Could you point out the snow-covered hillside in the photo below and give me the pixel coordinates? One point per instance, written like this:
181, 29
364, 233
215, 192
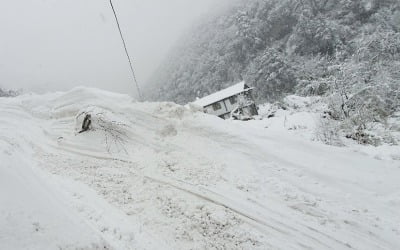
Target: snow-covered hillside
160, 176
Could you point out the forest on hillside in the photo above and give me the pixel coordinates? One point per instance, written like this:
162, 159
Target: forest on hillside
282, 47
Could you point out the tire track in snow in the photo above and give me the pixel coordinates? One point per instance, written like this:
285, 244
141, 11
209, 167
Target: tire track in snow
250, 214
243, 145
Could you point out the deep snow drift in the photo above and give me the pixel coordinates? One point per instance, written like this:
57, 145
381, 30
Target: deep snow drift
160, 176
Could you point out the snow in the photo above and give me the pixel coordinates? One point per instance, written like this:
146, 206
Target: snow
221, 95
175, 178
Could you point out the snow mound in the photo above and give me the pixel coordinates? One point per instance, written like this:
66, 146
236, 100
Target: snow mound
162, 176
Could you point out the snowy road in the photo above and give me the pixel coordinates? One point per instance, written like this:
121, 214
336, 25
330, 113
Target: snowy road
169, 178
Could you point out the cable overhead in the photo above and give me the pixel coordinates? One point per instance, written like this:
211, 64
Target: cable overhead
126, 52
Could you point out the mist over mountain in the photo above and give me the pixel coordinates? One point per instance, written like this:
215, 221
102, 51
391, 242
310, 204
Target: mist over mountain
307, 47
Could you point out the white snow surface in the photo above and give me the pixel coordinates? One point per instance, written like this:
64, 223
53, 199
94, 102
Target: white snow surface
160, 176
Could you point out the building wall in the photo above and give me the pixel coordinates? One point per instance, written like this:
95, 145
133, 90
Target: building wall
229, 105
226, 108
210, 110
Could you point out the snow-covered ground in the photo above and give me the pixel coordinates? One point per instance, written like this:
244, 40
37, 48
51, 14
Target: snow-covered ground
160, 176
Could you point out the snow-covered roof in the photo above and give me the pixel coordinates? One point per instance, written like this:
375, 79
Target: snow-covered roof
222, 94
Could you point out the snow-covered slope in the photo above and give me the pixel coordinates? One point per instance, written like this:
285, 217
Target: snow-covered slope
159, 176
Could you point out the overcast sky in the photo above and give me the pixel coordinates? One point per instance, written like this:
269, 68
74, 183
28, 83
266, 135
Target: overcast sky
59, 44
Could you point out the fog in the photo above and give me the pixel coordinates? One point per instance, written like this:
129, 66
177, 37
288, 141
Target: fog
49, 45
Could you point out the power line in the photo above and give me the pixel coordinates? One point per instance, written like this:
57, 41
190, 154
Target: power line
126, 52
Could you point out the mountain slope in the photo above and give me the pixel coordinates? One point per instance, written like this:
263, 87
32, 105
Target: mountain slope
160, 176
285, 46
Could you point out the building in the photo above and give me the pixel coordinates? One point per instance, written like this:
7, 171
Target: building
236, 99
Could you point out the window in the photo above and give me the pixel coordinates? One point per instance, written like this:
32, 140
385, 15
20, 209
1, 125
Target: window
233, 99
216, 106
